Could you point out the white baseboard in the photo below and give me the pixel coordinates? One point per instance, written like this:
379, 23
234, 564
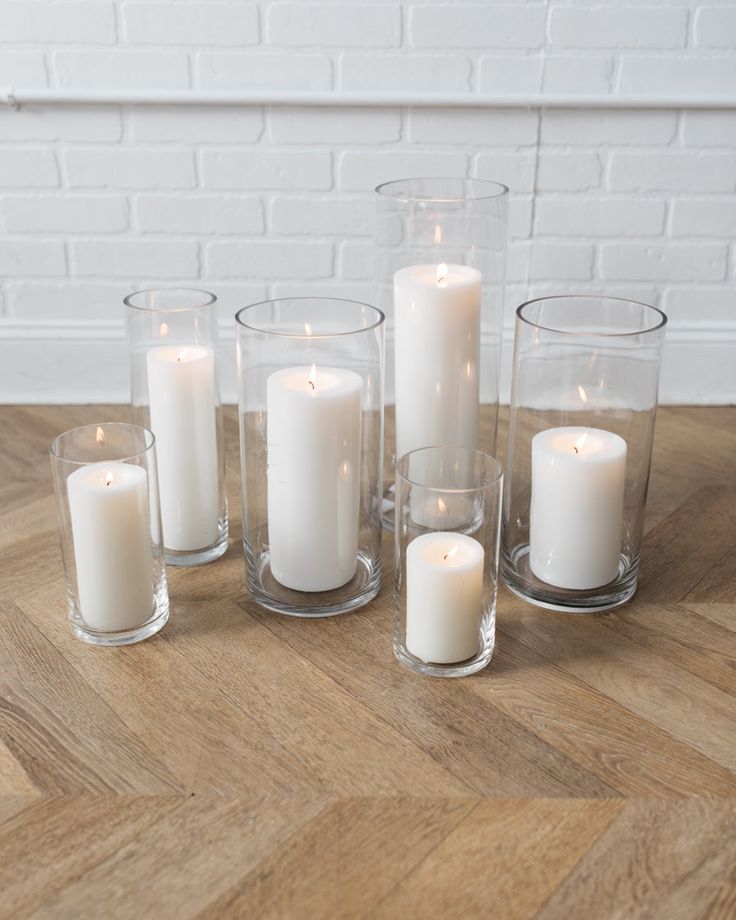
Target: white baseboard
87, 363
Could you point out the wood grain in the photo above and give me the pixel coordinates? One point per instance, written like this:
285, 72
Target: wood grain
242, 764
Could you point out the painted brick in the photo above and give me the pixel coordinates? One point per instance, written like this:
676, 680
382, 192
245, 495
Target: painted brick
42, 21
715, 26
577, 74
267, 169
360, 171
520, 217
671, 76
206, 125
269, 71
232, 296
193, 24
513, 169
334, 126
705, 217
97, 167
593, 128
309, 216
618, 26
362, 291
663, 262
697, 303
576, 171
22, 68
198, 214
594, 217
405, 73
130, 258
710, 129
499, 73
669, 171
452, 25
478, 127
78, 300
563, 261
60, 123
269, 259
69, 214
24, 168
356, 260
32, 257
149, 70
346, 25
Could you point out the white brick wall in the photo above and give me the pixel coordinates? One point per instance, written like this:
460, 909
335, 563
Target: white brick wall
276, 201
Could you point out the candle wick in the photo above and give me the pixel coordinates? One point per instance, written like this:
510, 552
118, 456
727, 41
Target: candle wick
575, 449
311, 383
446, 555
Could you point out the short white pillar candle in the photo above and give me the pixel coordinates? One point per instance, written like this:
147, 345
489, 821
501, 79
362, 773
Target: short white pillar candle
314, 445
444, 597
576, 515
111, 531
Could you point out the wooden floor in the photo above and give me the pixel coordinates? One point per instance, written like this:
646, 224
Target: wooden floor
242, 764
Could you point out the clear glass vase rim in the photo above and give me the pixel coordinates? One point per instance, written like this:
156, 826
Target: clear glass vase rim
150, 440
380, 318
660, 324
500, 189
210, 299
467, 451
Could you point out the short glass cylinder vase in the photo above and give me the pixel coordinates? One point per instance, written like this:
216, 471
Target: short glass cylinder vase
583, 405
173, 347
440, 263
310, 376
446, 538
110, 528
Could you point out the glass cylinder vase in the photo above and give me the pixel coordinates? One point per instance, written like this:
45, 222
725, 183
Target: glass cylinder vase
441, 257
110, 527
311, 437
446, 536
173, 346
583, 405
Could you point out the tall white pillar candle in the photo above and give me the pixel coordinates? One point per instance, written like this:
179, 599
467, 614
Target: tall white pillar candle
314, 443
182, 391
576, 516
444, 597
437, 356
111, 531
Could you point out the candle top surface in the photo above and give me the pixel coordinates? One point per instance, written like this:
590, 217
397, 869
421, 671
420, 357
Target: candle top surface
447, 550
439, 275
316, 382
180, 354
588, 445
106, 477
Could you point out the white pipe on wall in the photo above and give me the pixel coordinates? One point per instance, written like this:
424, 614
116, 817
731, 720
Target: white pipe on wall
15, 98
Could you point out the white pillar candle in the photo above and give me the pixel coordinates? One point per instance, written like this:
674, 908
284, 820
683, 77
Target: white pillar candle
437, 356
314, 443
182, 397
576, 517
444, 597
111, 531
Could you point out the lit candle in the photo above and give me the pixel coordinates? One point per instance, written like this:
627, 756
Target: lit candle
182, 396
108, 505
437, 330
314, 443
444, 597
576, 517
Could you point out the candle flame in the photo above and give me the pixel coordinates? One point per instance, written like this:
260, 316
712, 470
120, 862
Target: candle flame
307, 328
450, 553
182, 355
441, 506
442, 273
583, 394
108, 479
312, 379
164, 330
437, 234
100, 436
580, 443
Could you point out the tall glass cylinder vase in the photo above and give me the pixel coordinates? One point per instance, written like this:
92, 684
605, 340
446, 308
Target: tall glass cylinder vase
311, 438
583, 405
441, 257
173, 346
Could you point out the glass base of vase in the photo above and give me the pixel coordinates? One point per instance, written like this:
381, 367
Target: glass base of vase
124, 636
199, 556
271, 595
454, 669
520, 580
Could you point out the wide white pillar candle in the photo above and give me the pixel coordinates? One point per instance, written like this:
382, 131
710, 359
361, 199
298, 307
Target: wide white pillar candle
444, 597
437, 356
111, 531
314, 444
182, 391
576, 517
